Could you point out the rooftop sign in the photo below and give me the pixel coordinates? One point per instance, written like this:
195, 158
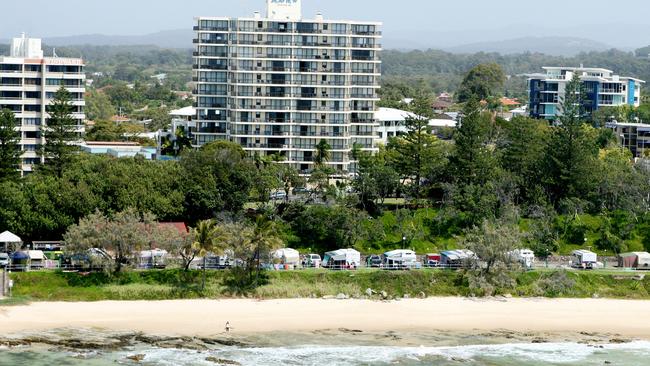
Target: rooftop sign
284, 9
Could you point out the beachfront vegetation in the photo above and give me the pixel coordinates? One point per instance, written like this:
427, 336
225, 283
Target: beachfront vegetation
179, 284
564, 187
495, 186
9, 145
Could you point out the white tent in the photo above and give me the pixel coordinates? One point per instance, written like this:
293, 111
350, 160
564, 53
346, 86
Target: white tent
8, 238
287, 256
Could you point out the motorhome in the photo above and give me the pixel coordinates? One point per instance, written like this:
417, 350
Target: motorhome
36, 259
525, 257
583, 259
455, 258
286, 258
311, 261
399, 259
153, 259
342, 259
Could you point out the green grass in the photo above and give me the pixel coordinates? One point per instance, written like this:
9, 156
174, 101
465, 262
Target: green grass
176, 284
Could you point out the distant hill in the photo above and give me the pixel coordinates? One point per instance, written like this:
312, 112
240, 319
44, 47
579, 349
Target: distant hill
556, 46
178, 38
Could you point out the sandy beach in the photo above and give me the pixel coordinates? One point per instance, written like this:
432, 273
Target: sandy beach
207, 318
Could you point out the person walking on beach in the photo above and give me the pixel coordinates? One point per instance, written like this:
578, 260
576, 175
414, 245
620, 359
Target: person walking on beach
228, 327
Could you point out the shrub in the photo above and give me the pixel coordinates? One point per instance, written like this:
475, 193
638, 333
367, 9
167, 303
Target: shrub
555, 284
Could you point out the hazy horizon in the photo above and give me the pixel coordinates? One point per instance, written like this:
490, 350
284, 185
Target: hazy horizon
451, 23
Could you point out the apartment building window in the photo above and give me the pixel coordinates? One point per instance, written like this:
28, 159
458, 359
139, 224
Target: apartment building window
246, 25
213, 76
31, 147
363, 29
32, 81
31, 121
10, 68
33, 68
211, 102
211, 89
10, 81
213, 25
339, 28
32, 135
31, 161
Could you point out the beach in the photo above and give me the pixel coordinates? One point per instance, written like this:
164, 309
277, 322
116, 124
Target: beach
208, 317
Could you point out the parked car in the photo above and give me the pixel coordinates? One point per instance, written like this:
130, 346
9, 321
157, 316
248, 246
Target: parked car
4, 260
373, 261
277, 196
301, 190
311, 261
431, 260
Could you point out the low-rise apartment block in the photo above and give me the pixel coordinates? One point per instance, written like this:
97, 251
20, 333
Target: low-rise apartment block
603, 88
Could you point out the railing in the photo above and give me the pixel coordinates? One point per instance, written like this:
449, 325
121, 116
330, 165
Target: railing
306, 31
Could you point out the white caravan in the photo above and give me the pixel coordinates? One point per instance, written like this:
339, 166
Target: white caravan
524, 256
583, 259
342, 259
399, 259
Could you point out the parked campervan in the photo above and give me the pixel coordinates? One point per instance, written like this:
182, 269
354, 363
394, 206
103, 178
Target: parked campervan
399, 259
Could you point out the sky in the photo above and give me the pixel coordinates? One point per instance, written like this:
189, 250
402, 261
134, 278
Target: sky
401, 18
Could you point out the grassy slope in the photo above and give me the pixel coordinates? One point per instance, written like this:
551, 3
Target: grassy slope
174, 284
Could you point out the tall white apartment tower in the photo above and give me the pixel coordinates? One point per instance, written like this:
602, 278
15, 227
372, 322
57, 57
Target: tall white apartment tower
280, 84
28, 81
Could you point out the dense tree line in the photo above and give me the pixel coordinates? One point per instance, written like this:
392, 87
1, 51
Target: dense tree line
436, 71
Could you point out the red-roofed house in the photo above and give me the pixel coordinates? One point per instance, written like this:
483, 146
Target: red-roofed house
180, 226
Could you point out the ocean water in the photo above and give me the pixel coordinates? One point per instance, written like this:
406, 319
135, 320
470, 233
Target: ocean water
632, 354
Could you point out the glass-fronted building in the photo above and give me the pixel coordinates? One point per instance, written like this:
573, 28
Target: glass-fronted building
602, 87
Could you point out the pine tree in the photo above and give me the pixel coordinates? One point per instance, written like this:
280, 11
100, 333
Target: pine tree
9, 148
418, 150
573, 149
59, 132
472, 161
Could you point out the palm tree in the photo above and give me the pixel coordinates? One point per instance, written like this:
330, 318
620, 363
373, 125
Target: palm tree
264, 238
207, 235
322, 153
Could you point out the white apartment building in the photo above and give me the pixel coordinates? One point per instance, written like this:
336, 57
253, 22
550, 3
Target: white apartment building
602, 86
280, 84
28, 81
